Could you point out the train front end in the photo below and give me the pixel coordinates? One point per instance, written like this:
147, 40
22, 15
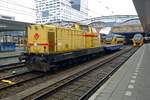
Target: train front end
38, 47
138, 40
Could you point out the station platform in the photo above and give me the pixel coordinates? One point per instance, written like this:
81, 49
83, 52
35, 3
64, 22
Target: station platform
131, 81
10, 57
12, 53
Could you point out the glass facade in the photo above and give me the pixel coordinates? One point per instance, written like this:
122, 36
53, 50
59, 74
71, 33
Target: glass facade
76, 4
50, 11
45, 13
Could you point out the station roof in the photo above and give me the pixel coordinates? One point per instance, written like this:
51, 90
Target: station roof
9, 25
142, 8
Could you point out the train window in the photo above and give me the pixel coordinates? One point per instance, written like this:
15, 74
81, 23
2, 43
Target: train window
138, 36
108, 37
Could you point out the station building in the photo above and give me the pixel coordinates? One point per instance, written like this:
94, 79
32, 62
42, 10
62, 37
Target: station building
50, 11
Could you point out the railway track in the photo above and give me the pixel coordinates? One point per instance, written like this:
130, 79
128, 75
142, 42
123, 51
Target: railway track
77, 85
12, 70
81, 85
11, 66
25, 81
18, 79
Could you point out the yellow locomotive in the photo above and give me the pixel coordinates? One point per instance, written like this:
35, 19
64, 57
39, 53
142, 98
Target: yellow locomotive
138, 40
113, 42
49, 45
49, 39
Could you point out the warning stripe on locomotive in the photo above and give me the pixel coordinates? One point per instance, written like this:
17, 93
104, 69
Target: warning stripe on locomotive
89, 35
41, 44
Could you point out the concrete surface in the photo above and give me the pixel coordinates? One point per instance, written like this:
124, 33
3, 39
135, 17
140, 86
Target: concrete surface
131, 81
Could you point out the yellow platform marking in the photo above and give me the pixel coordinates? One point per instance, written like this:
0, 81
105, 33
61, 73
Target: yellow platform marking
8, 81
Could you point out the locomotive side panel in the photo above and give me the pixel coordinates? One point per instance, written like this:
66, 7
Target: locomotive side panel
68, 40
49, 39
38, 40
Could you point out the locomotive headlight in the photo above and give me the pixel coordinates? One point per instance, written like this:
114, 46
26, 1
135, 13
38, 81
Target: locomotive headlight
35, 44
